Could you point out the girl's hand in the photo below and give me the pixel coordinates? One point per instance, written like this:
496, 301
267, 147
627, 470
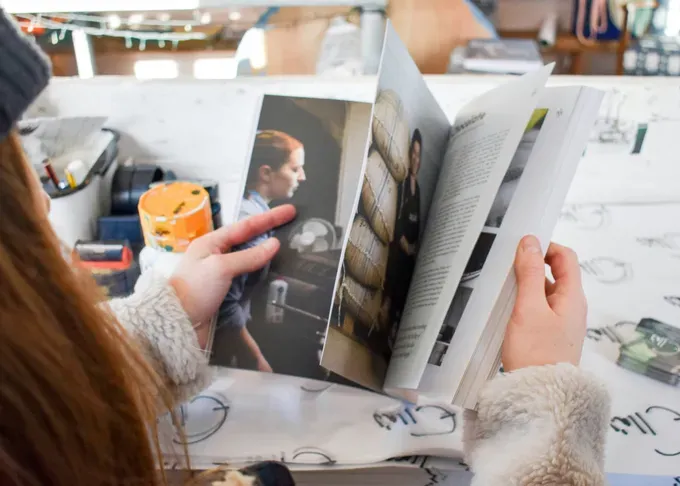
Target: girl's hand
204, 274
548, 323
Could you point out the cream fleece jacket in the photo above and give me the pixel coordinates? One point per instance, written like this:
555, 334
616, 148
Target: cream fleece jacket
533, 427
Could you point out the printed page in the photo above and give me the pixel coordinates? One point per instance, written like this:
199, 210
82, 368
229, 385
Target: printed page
408, 139
482, 141
308, 152
528, 201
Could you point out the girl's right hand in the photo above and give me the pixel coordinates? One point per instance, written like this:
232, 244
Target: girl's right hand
548, 322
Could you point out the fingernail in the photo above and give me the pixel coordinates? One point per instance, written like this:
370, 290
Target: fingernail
271, 243
530, 244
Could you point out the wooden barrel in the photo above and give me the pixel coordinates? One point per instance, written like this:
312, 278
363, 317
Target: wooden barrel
361, 302
366, 255
390, 133
379, 197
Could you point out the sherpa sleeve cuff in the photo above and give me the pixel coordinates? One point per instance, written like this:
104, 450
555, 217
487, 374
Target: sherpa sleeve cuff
154, 317
537, 426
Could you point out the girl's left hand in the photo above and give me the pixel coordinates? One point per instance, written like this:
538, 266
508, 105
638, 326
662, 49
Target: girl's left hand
204, 274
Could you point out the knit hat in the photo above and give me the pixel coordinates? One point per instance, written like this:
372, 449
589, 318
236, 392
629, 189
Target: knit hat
24, 73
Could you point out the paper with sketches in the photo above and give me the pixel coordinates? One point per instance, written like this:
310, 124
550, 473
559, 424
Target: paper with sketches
628, 158
630, 261
248, 416
55, 137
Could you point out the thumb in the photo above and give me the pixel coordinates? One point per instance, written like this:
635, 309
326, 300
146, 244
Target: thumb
251, 259
530, 272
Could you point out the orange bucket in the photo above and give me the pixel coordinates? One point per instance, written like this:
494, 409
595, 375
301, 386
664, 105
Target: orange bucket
173, 214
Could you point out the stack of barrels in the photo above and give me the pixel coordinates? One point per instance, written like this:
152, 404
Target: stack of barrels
360, 292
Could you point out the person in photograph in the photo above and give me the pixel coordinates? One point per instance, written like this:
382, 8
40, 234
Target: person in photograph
276, 171
402, 258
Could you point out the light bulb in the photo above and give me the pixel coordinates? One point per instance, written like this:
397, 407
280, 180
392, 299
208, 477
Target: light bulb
187, 28
235, 16
164, 17
206, 18
114, 21
136, 19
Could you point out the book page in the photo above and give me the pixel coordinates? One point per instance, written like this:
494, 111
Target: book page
528, 201
565, 143
476, 272
308, 152
482, 140
408, 139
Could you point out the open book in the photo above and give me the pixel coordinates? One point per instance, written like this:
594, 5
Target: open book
397, 274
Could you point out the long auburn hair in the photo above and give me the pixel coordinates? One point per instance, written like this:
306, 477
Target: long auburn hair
78, 402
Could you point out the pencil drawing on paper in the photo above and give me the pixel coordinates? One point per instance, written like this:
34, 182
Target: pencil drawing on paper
310, 455
656, 421
669, 241
608, 270
202, 417
612, 128
613, 334
420, 421
672, 300
586, 216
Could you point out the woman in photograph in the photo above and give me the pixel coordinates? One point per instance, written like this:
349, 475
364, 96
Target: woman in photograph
276, 171
402, 258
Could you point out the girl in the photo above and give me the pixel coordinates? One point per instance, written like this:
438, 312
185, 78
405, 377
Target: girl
82, 383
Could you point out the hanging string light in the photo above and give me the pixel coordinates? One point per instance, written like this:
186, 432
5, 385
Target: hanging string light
29, 21
162, 20
161, 28
114, 21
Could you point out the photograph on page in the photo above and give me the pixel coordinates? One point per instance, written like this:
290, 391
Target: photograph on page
482, 248
408, 138
307, 152
482, 141
517, 166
